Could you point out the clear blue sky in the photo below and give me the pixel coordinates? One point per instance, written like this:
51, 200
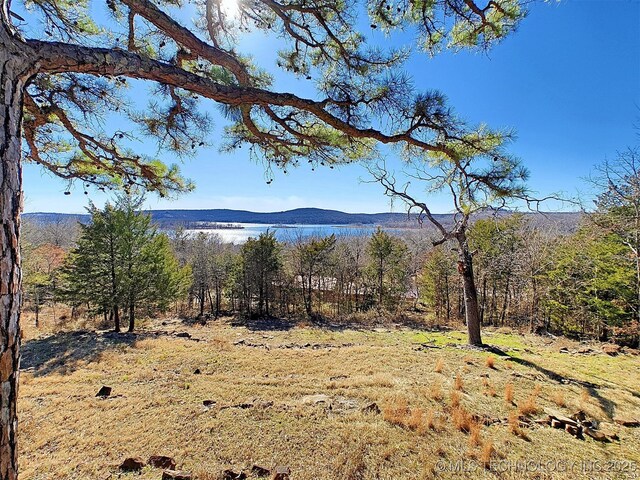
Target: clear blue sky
568, 81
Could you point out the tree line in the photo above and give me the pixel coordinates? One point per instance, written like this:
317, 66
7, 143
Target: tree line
583, 283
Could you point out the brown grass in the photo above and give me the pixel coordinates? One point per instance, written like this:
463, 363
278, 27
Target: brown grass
435, 391
585, 395
461, 419
508, 392
455, 399
487, 453
529, 406
439, 367
475, 437
490, 362
559, 399
396, 411
458, 383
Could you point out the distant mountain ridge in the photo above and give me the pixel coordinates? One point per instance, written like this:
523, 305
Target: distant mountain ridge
298, 216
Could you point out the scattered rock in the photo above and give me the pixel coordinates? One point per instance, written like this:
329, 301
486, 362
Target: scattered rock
160, 461
487, 419
259, 471
627, 422
343, 405
197, 371
208, 403
104, 392
576, 431
563, 350
176, 475
132, 464
316, 399
555, 423
371, 408
611, 349
282, 473
337, 377
598, 436
231, 475
183, 335
585, 350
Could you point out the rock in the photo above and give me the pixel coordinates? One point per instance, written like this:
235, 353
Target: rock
316, 399
573, 430
584, 350
371, 408
104, 392
176, 475
579, 416
555, 423
561, 418
627, 422
259, 471
337, 377
544, 420
183, 335
160, 461
611, 349
231, 475
281, 473
132, 464
563, 350
197, 371
598, 436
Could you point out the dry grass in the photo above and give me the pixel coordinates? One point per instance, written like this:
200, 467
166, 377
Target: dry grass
439, 367
458, 383
454, 399
475, 437
156, 408
435, 391
461, 419
490, 362
487, 453
508, 393
559, 399
529, 406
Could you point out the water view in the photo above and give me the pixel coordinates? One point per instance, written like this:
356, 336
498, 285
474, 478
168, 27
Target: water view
241, 232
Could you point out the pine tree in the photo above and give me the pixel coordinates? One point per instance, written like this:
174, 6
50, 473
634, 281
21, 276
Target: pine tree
120, 263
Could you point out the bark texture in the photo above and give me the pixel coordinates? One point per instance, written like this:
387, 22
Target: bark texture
15, 70
472, 314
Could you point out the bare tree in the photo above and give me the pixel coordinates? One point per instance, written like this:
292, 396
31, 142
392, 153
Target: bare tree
474, 184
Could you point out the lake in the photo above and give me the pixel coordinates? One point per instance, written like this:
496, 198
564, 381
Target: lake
289, 232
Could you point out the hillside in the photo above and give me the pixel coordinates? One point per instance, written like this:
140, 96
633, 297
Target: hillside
346, 402
299, 216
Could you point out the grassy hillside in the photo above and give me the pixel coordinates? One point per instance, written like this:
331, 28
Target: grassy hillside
297, 396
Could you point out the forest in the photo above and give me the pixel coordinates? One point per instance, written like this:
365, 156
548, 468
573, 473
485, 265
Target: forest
529, 275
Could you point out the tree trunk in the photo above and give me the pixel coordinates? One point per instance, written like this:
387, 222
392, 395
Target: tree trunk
14, 75
132, 316
116, 318
465, 268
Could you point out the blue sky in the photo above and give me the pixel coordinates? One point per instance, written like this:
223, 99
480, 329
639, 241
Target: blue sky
568, 82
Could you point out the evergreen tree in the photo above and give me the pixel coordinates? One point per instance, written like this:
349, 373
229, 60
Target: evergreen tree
259, 264
122, 262
388, 267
